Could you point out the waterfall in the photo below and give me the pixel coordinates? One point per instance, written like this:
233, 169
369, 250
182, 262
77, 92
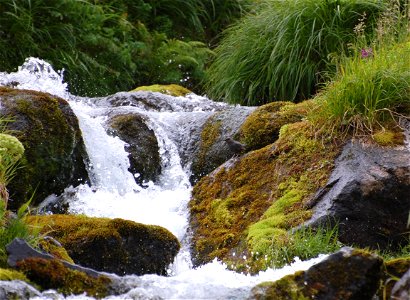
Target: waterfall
113, 192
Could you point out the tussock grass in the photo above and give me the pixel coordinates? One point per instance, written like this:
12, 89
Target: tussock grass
282, 51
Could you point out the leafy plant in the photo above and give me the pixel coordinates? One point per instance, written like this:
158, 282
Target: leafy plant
283, 50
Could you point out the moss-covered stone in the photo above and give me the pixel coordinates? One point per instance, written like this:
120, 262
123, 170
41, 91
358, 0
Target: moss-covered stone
55, 152
350, 274
52, 274
262, 126
51, 246
171, 89
249, 205
112, 245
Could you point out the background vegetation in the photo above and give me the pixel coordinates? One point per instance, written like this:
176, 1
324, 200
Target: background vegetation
107, 46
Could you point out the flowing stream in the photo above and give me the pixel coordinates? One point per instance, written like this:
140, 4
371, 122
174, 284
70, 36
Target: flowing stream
113, 192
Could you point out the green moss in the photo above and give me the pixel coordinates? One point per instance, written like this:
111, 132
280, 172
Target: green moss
262, 126
388, 137
55, 250
286, 288
394, 269
52, 274
171, 89
9, 274
261, 196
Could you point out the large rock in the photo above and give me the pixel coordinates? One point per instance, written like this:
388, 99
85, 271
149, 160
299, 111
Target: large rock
113, 245
142, 145
212, 150
368, 196
349, 274
54, 149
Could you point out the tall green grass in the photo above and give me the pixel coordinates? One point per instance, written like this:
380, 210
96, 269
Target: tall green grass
372, 88
283, 50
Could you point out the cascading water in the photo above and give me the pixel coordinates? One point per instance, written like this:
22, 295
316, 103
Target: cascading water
113, 192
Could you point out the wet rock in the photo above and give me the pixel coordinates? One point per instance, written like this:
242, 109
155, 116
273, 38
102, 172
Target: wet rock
212, 149
17, 289
142, 145
401, 290
113, 245
348, 274
54, 149
368, 195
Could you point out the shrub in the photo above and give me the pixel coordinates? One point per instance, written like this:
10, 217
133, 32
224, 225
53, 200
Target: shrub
282, 51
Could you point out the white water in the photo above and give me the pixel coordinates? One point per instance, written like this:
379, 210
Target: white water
114, 193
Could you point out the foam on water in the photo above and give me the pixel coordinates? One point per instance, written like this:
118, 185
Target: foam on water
113, 193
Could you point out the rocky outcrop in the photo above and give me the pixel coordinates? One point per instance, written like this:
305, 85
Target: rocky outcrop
54, 150
113, 245
249, 203
212, 150
142, 145
349, 274
368, 196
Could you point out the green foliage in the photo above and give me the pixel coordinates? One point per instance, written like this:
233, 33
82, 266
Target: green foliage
282, 51
368, 92
107, 46
15, 226
305, 243
11, 150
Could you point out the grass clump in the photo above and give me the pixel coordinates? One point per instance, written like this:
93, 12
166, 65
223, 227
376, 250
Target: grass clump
281, 51
368, 93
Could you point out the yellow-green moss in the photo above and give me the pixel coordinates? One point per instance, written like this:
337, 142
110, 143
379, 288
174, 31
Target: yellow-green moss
388, 137
55, 250
261, 196
171, 89
394, 269
9, 274
52, 274
262, 126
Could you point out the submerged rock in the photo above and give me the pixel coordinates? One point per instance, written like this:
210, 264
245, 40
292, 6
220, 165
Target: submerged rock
142, 145
17, 289
348, 274
113, 245
368, 196
54, 149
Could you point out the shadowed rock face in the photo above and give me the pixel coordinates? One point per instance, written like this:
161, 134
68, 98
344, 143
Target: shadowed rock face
54, 156
235, 146
368, 195
142, 145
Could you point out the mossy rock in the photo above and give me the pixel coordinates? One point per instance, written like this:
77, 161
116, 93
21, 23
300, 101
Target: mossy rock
387, 137
142, 145
112, 245
171, 89
53, 247
52, 274
349, 274
54, 149
248, 204
213, 150
262, 126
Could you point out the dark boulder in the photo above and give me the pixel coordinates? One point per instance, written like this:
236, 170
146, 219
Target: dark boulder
113, 245
142, 145
368, 195
54, 149
348, 274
